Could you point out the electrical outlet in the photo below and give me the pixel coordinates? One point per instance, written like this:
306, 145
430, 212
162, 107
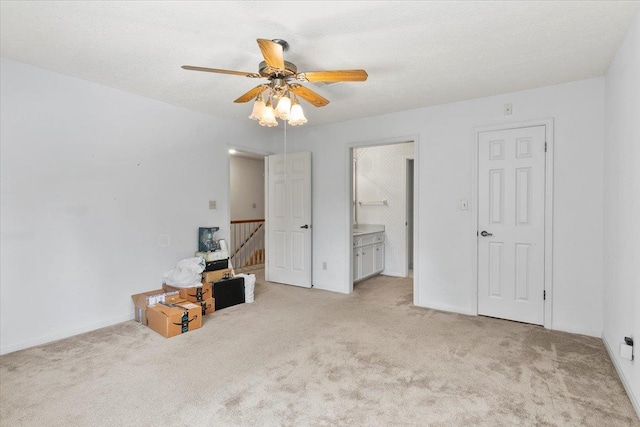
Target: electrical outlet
626, 348
324, 265
626, 351
508, 109
213, 204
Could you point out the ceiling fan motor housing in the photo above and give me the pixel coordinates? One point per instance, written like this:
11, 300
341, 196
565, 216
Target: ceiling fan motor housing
290, 69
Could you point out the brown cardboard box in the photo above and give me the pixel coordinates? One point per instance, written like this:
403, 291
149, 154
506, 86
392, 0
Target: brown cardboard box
171, 321
215, 276
195, 294
208, 306
145, 299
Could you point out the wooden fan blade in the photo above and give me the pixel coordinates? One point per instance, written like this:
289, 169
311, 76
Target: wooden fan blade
251, 94
308, 95
334, 76
272, 52
216, 70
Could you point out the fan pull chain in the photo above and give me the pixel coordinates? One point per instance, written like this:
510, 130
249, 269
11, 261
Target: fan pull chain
286, 169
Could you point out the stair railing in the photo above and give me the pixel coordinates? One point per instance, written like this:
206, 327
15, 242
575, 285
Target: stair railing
246, 246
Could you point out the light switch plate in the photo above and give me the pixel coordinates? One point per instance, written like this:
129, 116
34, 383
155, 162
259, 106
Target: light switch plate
464, 205
212, 204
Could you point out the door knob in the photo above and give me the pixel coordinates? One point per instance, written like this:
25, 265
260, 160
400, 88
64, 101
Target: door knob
485, 234
305, 226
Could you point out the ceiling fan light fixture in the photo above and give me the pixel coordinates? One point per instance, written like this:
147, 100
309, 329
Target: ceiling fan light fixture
283, 110
297, 115
268, 118
258, 108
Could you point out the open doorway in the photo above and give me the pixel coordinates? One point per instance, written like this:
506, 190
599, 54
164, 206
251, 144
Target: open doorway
246, 210
382, 199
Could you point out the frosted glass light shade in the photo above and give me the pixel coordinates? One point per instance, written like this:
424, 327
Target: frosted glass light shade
284, 108
297, 115
268, 118
258, 109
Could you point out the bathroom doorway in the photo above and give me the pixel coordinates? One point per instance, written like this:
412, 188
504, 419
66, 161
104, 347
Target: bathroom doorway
382, 199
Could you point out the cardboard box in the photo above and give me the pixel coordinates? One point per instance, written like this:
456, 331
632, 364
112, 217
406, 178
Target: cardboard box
145, 299
175, 320
195, 294
208, 306
214, 276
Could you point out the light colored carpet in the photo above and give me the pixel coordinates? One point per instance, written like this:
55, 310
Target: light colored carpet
300, 357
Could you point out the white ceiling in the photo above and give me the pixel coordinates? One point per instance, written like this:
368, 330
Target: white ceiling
416, 53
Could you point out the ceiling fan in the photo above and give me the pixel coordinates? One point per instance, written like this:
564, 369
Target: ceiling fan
284, 78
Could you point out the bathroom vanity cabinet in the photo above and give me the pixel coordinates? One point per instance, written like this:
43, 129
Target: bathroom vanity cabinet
368, 255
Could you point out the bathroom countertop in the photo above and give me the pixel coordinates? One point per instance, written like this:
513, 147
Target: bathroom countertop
361, 229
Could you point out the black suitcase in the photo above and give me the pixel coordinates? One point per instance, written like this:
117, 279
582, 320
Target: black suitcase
220, 264
228, 292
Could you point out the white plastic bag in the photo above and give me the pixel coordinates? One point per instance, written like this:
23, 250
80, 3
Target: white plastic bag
186, 274
249, 286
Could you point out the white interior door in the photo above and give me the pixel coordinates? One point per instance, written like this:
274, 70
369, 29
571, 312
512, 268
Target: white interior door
511, 195
289, 219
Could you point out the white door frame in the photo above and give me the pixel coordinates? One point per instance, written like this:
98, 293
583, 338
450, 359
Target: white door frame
349, 198
548, 208
409, 247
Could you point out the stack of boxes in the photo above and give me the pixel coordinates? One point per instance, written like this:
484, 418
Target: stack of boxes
216, 268
227, 289
172, 311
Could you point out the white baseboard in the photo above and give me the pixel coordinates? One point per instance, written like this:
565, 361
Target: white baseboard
449, 308
392, 273
321, 287
64, 334
623, 379
579, 331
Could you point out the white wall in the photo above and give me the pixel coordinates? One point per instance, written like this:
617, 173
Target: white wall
247, 188
381, 175
91, 176
445, 239
622, 208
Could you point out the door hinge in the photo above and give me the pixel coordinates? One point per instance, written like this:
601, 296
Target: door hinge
544, 295
545, 146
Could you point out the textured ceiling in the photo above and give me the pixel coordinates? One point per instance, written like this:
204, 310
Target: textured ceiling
416, 53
